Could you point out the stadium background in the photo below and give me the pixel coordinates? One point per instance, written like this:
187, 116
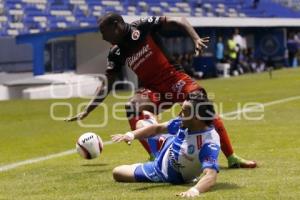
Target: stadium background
52, 37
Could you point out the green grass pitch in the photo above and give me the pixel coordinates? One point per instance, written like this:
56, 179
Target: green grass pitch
27, 132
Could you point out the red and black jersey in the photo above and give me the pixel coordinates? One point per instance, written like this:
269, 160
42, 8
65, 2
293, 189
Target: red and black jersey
144, 54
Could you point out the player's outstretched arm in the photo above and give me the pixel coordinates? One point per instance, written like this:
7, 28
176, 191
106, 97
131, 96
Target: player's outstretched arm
101, 93
145, 132
204, 184
200, 43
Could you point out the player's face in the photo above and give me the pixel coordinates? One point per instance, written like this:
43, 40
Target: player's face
186, 114
112, 33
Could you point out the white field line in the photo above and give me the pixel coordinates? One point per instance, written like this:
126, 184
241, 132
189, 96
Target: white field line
40, 159
72, 151
259, 105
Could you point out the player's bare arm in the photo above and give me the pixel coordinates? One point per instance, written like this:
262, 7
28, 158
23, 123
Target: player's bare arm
148, 131
200, 43
204, 184
101, 93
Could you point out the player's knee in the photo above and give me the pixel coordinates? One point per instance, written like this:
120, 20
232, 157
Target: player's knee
117, 173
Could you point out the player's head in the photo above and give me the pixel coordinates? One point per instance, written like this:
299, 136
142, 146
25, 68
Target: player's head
112, 27
197, 108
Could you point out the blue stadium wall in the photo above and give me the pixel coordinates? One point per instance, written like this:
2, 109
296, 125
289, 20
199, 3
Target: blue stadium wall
267, 43
30, 53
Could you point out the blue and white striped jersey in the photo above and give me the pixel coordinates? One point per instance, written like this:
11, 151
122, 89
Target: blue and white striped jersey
186, 154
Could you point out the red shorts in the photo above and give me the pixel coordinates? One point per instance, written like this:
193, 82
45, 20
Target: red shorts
174, 89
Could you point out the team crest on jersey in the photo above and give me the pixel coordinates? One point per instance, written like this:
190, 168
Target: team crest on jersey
135, 35
191, 149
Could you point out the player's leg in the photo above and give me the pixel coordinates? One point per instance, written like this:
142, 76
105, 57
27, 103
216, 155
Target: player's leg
125, 173
234, 161
136, 173
140, 112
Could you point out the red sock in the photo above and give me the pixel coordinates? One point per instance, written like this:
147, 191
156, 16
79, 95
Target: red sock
224, 138
132, 123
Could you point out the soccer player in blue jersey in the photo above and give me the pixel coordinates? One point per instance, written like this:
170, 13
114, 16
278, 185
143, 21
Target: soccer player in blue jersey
191, 148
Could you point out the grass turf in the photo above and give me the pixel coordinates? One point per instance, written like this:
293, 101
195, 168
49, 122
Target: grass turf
27, 131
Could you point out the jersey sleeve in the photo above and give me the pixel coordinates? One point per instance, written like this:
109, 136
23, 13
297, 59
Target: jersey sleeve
208, 156
174, 125
150, 23
114, 65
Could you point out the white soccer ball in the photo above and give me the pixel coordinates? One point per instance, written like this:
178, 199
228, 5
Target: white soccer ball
89, 145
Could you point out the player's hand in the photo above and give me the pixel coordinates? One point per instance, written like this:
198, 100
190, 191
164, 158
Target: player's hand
79, 116
200, 44
128, 137
191, 193
118, 138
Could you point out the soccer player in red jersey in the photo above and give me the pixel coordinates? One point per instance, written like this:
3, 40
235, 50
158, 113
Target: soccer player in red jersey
138, 46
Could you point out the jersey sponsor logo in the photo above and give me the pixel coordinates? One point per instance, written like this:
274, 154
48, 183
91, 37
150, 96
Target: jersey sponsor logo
132, 60
135, 35
173, 161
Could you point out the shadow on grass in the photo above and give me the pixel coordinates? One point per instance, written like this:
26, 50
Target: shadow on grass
90, 171
98, 171
225, 168
218, 186
152, 186
225, 186
95, 165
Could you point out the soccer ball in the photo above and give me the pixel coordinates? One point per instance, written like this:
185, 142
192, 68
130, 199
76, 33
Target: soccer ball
89, 145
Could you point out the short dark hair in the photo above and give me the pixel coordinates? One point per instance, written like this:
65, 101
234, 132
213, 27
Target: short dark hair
110, 18
203, 108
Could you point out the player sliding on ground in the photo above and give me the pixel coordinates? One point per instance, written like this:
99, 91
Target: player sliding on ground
192, 146
138, 46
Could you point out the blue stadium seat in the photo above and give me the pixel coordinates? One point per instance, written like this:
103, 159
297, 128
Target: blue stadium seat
85, 12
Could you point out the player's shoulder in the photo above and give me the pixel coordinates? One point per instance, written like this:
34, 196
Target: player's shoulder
211, 136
